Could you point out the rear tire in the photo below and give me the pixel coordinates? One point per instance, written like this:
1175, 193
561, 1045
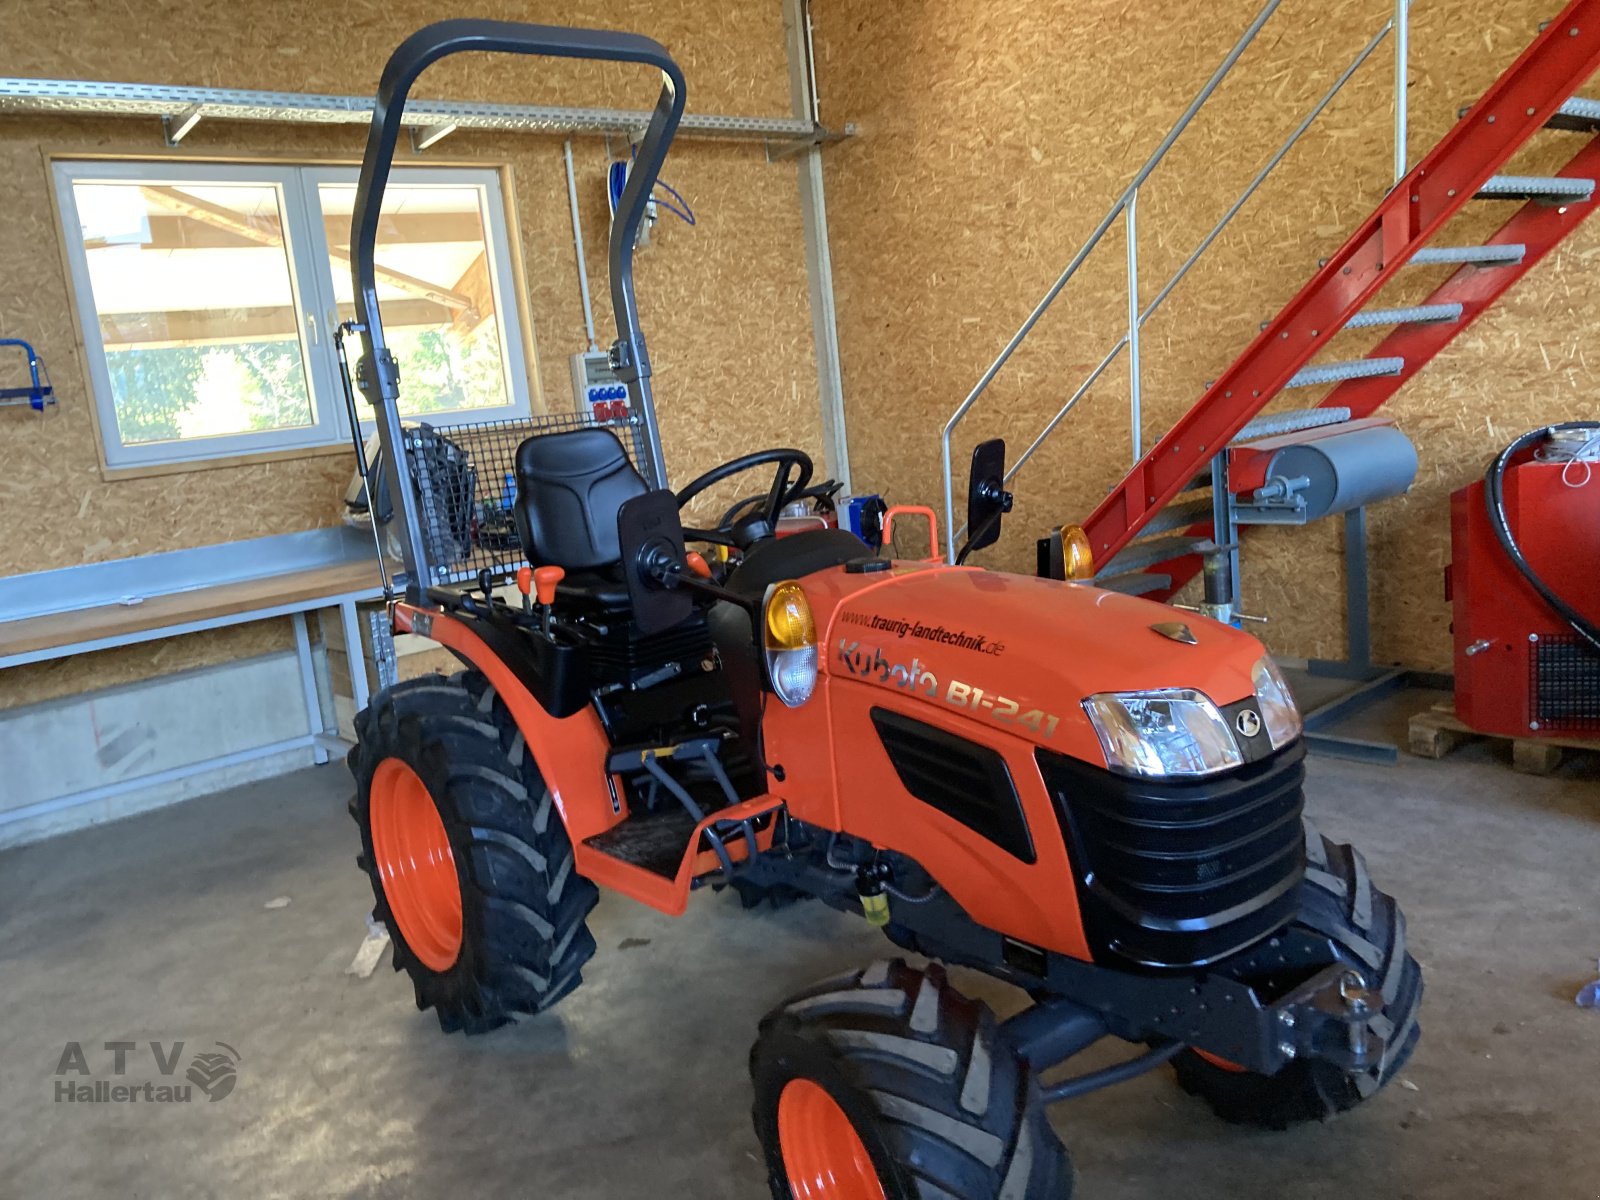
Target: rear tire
941, 1106
1337, 901
495, 927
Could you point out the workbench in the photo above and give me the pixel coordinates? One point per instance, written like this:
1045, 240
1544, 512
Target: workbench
292, 593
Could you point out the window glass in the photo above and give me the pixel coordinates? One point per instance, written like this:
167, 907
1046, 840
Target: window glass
208, 296
195, 303
436, 287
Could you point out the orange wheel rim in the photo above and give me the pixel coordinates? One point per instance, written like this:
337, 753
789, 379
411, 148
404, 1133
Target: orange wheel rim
414, 860
822, 1152
1221, 1062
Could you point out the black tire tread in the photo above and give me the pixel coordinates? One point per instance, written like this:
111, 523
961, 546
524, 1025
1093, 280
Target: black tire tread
957, 1111
524, 907
1338, 901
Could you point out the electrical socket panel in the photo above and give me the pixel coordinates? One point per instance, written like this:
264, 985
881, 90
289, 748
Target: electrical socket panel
596, 389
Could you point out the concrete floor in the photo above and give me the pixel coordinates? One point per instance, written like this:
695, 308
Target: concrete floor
156, 928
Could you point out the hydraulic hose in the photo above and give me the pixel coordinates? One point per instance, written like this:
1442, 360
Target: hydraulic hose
1494, 498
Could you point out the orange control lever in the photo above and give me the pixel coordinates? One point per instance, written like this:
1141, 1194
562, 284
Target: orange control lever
525, 580
545, 580
697, 564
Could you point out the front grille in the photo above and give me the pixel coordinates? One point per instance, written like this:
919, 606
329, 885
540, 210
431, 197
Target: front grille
1176, 873
1565, 687
967, 782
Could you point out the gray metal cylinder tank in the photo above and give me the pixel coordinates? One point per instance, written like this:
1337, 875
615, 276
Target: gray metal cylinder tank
1341, 472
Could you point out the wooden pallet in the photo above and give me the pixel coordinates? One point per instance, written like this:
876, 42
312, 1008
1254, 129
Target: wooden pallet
1436, 732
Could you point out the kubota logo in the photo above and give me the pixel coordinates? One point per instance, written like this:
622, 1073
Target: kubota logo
869, 661
1248, 723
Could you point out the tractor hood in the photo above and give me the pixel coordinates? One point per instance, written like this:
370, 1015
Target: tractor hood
1024, 650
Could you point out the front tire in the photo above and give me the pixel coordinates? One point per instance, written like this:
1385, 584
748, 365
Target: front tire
1338, 902
889, 1084
470, 865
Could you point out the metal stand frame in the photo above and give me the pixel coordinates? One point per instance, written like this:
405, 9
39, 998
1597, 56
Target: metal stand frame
1373, 682
322, 740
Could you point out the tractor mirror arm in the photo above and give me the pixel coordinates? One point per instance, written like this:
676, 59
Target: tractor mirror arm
980, 537
987, 499
379, 376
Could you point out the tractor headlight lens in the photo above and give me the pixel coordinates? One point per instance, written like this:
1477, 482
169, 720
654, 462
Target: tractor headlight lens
790, 639
1175, 731
1278, 711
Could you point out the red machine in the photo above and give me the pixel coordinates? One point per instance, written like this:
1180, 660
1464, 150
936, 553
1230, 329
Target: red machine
1521, 667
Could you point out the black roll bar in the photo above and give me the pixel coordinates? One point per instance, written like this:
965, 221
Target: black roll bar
377, 374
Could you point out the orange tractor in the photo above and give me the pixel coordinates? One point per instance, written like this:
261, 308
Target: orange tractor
1066, 788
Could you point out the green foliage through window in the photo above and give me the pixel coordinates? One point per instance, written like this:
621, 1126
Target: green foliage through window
166, 393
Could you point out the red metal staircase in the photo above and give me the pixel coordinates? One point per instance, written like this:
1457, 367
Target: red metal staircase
1536, 92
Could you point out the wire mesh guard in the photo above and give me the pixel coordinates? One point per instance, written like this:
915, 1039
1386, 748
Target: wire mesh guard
465, 479
1565, 685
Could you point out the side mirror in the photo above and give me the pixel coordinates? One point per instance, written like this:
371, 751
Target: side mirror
987, 499
650, 535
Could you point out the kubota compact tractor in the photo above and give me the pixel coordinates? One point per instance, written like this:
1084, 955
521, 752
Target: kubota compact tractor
1069, 789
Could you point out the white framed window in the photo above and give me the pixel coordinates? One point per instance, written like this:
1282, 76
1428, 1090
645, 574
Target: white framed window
208, 296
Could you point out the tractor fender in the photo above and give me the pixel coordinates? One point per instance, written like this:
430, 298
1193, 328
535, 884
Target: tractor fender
570, 749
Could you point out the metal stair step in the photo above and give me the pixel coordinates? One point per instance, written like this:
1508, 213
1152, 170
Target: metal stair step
1337, 372
1535, 187
1484, 256
1135, 583
1579, 115
1418, 314
1179, 516
1139, 555
1290, 421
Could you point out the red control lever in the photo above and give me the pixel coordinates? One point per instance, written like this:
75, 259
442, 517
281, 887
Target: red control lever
697, 564
544, 582
525, 580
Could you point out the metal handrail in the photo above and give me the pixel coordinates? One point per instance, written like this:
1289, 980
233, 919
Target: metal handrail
1401, 24
1126, 204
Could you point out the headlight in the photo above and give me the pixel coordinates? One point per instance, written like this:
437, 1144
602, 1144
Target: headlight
1278, 711
790, 639
1176, 731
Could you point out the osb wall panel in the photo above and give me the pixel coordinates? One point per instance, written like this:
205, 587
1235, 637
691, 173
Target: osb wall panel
724, 304
996, 133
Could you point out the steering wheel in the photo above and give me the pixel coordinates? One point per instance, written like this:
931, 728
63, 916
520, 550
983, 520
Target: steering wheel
760, 520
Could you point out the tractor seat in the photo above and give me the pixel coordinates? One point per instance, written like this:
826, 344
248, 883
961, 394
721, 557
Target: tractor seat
569, 488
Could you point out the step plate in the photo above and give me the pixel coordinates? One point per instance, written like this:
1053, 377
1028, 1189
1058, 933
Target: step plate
654, 841
1482, 256
1535, 187
1140, 555
1179, 516
1419, 314
1134, 584
1338, 372
1578, 115
1292, 421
